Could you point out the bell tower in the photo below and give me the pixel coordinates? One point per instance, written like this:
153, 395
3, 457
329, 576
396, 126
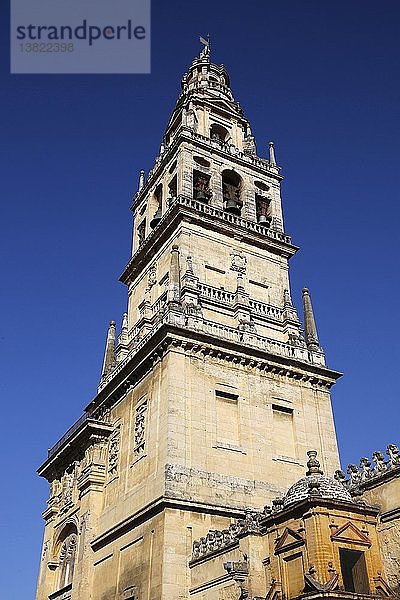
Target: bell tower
210, 394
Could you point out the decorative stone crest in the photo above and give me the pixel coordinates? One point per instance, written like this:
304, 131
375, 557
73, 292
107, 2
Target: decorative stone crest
238, 262
113, 451
152, 277
140, 429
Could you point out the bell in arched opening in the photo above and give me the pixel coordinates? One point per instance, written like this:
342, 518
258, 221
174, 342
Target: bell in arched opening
231, 191
156, 218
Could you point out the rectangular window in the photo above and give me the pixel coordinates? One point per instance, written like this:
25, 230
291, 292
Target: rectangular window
283, 433
354, 571
227, 408
140, 430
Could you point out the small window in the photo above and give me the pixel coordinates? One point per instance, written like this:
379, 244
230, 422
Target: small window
354, 571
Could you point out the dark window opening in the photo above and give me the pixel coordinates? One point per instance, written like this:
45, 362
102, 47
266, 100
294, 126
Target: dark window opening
231, 192
201, 186
354, 571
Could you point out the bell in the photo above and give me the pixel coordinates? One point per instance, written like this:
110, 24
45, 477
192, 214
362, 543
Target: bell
232, 206
156, 219
200, 196
263, 219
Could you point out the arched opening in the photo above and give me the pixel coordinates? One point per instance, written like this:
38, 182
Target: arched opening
218, 133
158, 193
231, 191
172, 189
66, 550
263, 210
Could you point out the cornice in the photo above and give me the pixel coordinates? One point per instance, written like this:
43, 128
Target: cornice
199, 343
314, 504
158, 506
77, 438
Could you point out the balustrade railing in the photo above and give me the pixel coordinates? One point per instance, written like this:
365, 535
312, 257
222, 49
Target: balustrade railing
266, 310
209, 292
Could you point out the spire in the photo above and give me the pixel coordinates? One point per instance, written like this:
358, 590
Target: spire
272, 158
310, 329
141, 179
109, 353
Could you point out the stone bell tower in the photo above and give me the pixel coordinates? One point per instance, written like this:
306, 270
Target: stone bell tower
210, 396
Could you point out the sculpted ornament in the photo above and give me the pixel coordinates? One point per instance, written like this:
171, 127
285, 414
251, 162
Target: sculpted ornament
379, 460
393, 452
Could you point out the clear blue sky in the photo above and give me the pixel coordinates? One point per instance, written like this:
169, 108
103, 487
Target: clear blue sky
318, 78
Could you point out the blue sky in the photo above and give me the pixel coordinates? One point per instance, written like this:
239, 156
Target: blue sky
321, 80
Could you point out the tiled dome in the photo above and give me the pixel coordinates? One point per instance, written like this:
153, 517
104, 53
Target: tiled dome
316, 485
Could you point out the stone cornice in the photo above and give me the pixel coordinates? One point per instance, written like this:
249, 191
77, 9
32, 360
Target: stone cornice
316, 505
75, 441
198, 342
186, 209
157, 506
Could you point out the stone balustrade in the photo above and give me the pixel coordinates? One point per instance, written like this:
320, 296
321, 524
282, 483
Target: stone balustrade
217, 295
266, 310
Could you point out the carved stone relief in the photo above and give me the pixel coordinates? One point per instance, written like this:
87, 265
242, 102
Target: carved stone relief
140, 429
113, 451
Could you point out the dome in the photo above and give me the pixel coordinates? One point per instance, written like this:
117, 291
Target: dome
316, 485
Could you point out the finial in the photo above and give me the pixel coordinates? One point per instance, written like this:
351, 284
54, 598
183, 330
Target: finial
141, 180
109, 353
287, 301
123, 336
272, 158
313, 464
310, 329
